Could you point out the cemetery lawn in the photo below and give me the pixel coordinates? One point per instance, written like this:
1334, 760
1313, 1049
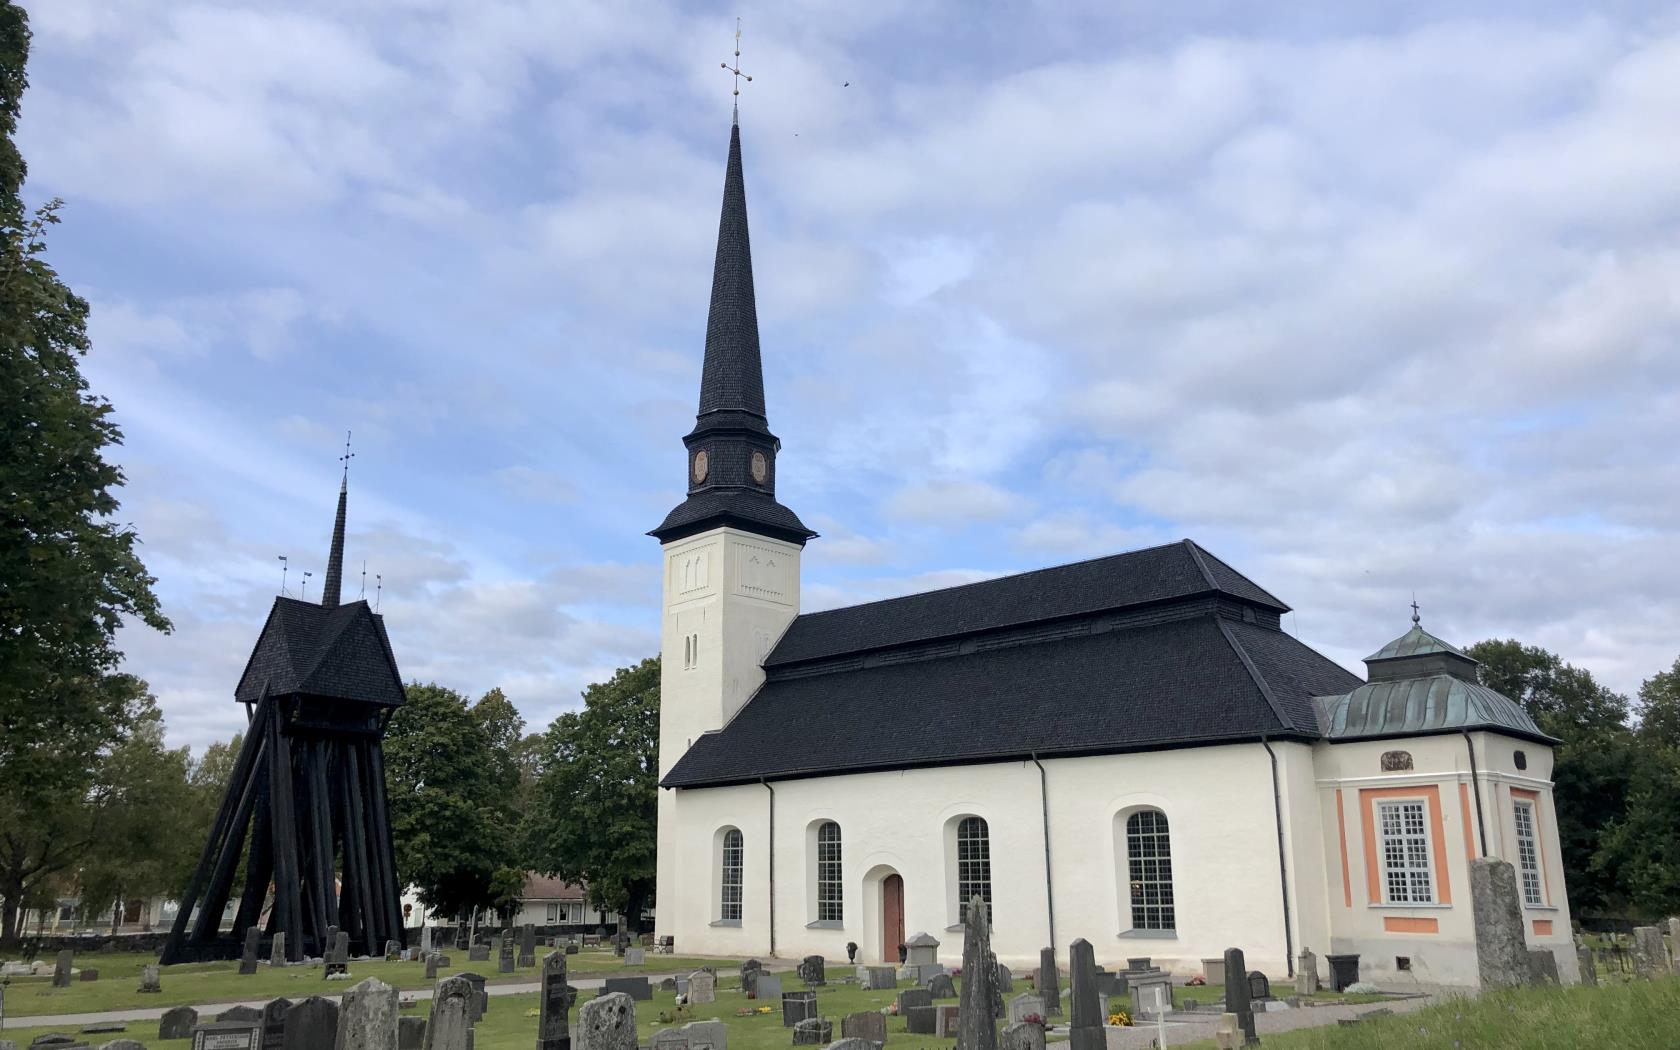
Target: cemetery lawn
191, 984
1633, 1015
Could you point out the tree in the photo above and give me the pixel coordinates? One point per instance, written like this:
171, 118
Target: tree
69, 573
597, 811
1641, 845
1592, 765
449, 816
1659, 707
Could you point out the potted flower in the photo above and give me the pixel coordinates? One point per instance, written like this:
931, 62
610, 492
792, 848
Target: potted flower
851, 951
1120, 1019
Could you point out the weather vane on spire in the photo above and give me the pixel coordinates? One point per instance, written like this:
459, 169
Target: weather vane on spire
348, 455
736, 69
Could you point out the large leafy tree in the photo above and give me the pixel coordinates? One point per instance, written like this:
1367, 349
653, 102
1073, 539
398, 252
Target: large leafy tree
1641, 845
597, 811
1592, 766
69, 572
449, 807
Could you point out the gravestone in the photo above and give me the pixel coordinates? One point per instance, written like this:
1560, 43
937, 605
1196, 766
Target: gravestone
572, 948
636, 988
1674, 939
868, 1025
811, 970
706, 1035
669, 984
241, 1013
554, 1017
87, 973
150, 982
813, 1031
367, 1017
337, 960
879, 978
1085, 1028
310, 1025
1113, 985
274, 1023
1259, 985
1025, 1005
1650, 957
1023, 1037
1236, 994
921, 950
797, 1007
123, 1044
945, 1020
607, 1023
1588, 966
941, 987
1228, 1035
1542, 967
449, 1027
919, 1020
277, 950
478, 953
411, 1033
480, 1004
527, 945
1306, 973
1005, 980
61, 971
248, 957
750, 971
177, 1023
913, 997
1049, 983
226, 1035
769, 987
1501, 950
432, 964
393, 950
1139, 962
980, 1004
668, 1039
425, 939
702, 987
504, 959
635, 957
852, 1044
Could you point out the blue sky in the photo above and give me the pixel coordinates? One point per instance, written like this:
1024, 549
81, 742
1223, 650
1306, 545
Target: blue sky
1367, 302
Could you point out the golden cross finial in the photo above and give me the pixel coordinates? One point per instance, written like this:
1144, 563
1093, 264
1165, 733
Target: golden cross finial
736, 68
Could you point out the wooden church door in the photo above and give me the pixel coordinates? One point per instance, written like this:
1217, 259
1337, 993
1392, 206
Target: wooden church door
892, 917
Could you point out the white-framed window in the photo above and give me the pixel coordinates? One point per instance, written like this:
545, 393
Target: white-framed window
553, 914
831, 893
974, 865
1149, 870
1528, 854
729, 898
1402, 831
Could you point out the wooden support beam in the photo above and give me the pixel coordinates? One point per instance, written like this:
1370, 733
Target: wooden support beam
281, 798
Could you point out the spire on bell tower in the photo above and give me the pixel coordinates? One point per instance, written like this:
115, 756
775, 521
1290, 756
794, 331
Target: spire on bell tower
335, 557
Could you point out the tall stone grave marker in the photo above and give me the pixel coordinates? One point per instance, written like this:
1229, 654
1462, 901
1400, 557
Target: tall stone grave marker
1674, 939
274, 1023
749, 976
1650, 957
1085, 1028
555, 1005
504, 959
425, 939
1236, 994
450, 1025
367, 1017
248, 957
1501, 950
607, 1023
702, 987
480, 1004
433, 961
980, 1004
527, 945
61, 971
1306, 973
1005, 979
277, 950
411, 1033
1049, 982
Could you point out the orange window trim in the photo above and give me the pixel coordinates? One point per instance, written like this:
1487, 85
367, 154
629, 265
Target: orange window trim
1464, 817
1542, 927
1401, 924
1431, 795
1533, 797
1341, 832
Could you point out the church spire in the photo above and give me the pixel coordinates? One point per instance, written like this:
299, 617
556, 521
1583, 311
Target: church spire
335, 557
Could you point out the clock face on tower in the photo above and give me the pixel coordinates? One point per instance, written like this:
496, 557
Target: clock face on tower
760, 467
700, 466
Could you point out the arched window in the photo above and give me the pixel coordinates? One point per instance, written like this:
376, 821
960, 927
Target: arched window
729, 909
974, 865
830, 885
1149, 870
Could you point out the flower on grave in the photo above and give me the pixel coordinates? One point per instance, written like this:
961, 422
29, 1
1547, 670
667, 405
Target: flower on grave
1120, 1019
1037, 1019
533, 1013
763, 1010
1197, 981
892, 1010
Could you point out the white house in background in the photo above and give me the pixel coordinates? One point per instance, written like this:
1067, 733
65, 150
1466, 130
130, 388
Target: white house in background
545, 901
1128, 750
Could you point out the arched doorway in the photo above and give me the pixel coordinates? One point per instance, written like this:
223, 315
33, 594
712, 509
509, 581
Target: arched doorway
892, 917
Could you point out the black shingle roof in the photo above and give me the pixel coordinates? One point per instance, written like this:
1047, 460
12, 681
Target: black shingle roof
341, 652
1156, 574
1178, 682
750, 510
732, 380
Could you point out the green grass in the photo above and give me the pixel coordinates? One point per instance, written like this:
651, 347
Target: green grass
1209, 994
1638, 1015
191, 984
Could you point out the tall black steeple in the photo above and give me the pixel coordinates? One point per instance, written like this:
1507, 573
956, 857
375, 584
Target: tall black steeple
731, 451
335, 557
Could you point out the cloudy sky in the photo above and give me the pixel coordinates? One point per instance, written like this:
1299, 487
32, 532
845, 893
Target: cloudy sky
1366, 302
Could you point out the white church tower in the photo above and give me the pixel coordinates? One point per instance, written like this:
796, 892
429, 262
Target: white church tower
731, 552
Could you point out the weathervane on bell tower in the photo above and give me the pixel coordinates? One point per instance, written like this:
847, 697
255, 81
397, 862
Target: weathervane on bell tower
736, 70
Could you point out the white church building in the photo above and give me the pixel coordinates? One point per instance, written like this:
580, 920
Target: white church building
1128, 750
